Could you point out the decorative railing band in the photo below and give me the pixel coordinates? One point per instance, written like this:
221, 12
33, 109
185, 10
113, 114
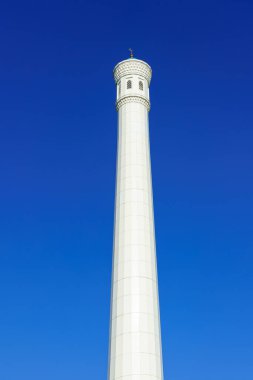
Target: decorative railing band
133, 99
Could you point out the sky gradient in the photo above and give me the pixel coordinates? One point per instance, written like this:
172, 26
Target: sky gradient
58, 131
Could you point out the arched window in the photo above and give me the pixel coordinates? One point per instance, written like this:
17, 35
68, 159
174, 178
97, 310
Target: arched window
141, 85
129, 84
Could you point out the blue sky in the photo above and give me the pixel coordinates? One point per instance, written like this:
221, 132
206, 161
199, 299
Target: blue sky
57, 179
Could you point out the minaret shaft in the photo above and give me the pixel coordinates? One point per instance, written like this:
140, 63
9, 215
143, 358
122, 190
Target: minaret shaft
135, 341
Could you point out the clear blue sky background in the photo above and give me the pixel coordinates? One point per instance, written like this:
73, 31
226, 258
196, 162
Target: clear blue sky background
57, 178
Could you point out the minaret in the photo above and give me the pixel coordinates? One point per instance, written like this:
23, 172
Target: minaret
135, 341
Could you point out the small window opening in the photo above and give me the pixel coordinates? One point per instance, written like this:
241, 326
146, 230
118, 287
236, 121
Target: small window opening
129, 84
141, 86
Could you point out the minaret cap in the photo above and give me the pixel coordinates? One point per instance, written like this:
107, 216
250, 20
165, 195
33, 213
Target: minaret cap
132, 66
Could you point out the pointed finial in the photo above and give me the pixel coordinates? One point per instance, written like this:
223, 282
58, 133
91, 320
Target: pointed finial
131, 53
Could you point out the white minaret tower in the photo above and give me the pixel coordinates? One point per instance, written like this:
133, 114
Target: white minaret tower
135, 340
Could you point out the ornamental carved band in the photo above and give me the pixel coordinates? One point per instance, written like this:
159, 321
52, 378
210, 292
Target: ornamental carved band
133, 66
133, 99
